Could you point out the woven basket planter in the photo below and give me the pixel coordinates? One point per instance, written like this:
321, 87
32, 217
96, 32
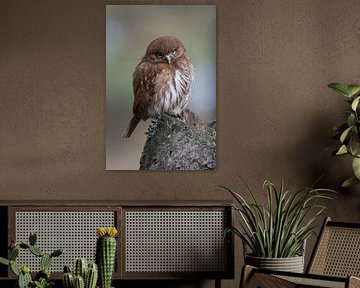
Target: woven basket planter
291, 264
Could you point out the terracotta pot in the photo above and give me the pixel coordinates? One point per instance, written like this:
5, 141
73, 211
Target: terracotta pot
291, 264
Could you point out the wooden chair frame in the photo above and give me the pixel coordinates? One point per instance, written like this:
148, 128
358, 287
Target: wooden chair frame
319, 272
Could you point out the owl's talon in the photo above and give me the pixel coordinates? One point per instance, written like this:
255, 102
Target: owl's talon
175, 115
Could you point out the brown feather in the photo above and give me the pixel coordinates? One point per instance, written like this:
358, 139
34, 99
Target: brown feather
131, 127
162, 81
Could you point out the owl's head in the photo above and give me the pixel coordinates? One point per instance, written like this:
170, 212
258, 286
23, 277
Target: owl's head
164, 50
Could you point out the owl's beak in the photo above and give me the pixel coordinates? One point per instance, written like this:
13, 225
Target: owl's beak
168, 58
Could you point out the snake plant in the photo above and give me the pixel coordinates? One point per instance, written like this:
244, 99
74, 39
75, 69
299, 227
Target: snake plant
279, 228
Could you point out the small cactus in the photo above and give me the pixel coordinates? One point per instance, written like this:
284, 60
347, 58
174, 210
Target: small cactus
81, 266
106, 254
84, 274
13, 253
36, 251
67, 269
91, 276
79, 282
68, 280
45, 261
24, 278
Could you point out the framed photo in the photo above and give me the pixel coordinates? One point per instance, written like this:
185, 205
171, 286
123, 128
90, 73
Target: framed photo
161, 87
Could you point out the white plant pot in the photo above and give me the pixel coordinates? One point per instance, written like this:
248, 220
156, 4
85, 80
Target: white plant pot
291, 264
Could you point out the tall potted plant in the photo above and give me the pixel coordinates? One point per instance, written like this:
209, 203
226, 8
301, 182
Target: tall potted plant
275, 233
348, 132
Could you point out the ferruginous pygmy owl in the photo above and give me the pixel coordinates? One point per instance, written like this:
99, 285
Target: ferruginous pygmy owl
161, 82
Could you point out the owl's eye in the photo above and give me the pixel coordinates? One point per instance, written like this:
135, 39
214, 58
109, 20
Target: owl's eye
159, 54
174, 51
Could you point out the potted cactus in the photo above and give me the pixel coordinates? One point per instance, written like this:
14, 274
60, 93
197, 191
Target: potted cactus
42, 278
84, 275
106, 254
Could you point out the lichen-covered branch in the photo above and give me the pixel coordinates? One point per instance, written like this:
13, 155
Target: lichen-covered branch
186, 143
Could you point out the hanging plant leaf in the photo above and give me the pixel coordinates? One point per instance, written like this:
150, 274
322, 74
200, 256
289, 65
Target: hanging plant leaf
354, 145
351, 120
342, 150
355, 103
345, 134
353, 89
356, 167
349, 182
340, 88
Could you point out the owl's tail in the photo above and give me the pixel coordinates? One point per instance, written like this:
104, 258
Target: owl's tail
131, 127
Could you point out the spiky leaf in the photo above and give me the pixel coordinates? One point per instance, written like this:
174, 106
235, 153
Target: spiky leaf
279, 229
340, 88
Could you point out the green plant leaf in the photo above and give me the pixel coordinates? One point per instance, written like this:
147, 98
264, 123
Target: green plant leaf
342, 150
36, 251
353, 89
349, 182
14, 268
340, 88
4, 261
13, 253
345, 134
279, 228
351, 120
356, 167
354, 145
355, 103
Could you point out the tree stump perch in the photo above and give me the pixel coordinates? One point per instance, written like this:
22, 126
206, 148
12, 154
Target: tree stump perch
186, 143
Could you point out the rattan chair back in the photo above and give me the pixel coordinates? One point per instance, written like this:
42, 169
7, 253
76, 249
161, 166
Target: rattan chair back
337, 252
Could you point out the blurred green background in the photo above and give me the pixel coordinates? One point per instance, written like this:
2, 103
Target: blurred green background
129, 29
